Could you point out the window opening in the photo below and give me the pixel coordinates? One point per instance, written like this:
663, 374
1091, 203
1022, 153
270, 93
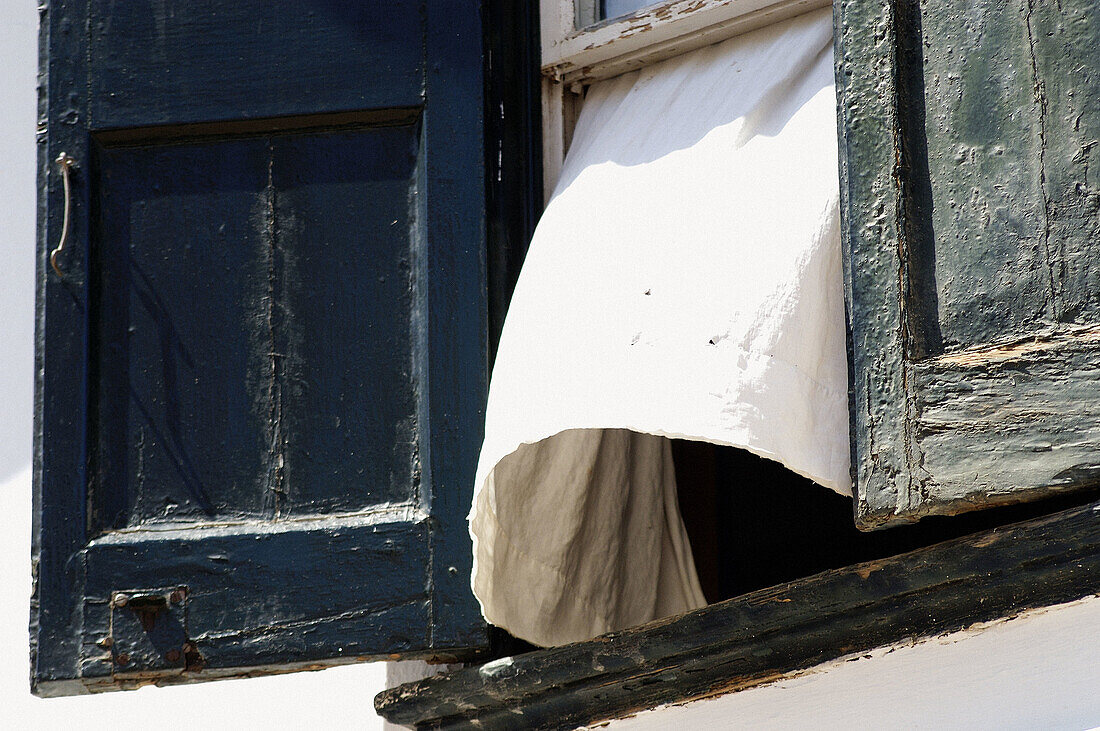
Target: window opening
615, 8
589, 12
753, 523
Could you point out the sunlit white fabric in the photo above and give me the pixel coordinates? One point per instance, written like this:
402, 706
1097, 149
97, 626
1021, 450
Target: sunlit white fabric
684, 281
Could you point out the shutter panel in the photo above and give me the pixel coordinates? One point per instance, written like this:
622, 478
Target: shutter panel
262, 374
972, 241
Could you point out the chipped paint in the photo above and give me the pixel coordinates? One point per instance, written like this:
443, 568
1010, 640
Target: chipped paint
837, 617
970, 248
1050, 341
656, 33
989, 675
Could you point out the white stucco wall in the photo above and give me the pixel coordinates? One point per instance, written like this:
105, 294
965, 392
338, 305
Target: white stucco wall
1040, 671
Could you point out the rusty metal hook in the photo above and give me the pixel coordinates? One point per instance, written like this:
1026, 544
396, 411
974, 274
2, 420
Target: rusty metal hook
65, 162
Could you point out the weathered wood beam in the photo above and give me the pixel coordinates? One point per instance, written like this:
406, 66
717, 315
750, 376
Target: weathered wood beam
762, 636
651, 34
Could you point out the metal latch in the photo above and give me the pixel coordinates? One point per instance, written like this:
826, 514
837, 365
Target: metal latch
148, 632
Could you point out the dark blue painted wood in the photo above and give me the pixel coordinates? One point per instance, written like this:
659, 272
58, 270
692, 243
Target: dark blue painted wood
513, 154
452, 310
378, 599
348, 395
203, 60
61, 311
281, 322
181, 280
253, 327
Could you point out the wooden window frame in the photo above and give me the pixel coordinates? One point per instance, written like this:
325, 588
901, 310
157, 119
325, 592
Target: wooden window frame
574, 57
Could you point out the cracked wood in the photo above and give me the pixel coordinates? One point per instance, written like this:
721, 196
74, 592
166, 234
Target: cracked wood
768, 634
972, 227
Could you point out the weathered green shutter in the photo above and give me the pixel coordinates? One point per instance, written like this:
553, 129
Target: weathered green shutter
262, 371
970, 178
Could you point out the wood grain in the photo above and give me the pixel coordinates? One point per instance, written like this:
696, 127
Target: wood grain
970, 226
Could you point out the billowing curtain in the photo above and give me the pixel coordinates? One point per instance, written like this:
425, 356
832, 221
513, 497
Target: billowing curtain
684, 281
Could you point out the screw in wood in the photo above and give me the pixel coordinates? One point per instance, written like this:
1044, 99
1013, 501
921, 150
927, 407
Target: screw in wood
122, 658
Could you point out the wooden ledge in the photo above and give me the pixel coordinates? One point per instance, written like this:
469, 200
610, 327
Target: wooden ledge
762, 636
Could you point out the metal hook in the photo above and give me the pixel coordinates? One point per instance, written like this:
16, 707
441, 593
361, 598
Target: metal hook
65, 162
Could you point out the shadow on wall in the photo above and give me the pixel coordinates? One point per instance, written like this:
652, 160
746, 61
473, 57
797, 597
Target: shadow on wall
17, 219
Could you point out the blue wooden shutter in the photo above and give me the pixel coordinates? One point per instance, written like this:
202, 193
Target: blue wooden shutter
261, 376
973, 263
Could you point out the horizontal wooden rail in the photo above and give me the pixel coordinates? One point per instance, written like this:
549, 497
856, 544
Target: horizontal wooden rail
762, 636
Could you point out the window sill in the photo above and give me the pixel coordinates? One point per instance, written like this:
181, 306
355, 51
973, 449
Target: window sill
762, 636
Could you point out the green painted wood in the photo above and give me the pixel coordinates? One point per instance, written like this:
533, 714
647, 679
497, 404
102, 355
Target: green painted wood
972, 270
263, 373
759, 637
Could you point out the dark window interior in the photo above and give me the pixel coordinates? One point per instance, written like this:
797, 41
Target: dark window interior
753, 523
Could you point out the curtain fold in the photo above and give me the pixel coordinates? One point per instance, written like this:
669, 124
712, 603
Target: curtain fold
684, 281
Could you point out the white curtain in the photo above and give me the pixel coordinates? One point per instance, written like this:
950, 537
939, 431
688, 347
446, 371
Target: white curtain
684, 281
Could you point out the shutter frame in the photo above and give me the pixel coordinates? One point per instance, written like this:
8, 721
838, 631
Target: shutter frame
941, 429
77, 571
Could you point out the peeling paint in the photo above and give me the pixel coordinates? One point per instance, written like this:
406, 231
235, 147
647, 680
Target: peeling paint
1022, 348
